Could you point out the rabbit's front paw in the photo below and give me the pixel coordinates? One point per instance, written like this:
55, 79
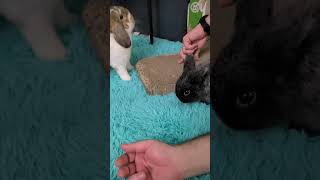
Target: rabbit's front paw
125, 77
123, 73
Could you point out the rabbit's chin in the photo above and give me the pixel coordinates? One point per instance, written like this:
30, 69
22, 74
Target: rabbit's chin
206, 101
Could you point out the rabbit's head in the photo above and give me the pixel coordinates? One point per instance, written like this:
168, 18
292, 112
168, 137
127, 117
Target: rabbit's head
121, 25
194, 83
255, 78
244, 96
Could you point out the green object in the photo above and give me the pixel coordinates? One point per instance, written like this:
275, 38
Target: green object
194, 14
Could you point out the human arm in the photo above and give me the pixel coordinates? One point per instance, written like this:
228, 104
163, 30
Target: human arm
154, 160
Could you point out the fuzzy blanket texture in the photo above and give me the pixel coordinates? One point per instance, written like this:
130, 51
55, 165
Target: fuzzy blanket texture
276, 154
53, 120
134, 115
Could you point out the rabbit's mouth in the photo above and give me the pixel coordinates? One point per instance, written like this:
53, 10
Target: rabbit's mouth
185, 99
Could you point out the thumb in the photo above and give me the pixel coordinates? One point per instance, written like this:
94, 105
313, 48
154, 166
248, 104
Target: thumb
196, 55
138, 176
138, 147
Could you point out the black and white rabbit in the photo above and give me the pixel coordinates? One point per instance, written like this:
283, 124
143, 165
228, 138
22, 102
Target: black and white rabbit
269, 74
194, 83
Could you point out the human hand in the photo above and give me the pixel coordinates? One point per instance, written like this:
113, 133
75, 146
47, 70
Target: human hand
194, 40
149, 160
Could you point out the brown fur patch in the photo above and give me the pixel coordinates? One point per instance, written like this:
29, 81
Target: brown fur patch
96, 17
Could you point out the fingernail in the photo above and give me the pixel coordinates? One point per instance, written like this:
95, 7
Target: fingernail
120, 175
123, 146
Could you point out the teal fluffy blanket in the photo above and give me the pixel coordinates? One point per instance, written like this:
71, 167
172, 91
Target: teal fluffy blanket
136, 116
53, 120
273, 154
276, 154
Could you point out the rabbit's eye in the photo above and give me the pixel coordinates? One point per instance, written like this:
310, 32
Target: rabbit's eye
121, 17
186, 93
246, 99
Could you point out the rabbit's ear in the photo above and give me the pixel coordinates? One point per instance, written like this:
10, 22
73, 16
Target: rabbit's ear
120, 34
189, 64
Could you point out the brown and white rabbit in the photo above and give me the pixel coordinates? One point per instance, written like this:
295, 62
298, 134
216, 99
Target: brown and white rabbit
121, 28
36, 19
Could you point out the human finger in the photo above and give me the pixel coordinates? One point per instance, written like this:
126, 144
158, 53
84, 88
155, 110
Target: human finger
126, 171
197, 54
187, 43
125, 159
188, 52
139, 146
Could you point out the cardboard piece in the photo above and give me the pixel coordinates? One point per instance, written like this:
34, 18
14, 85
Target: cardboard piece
159, 74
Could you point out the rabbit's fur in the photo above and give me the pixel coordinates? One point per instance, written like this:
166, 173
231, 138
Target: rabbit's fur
269, 74
37, 19
121, 28
194, 83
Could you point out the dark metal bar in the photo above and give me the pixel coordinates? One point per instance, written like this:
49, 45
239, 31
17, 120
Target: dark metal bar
150, 21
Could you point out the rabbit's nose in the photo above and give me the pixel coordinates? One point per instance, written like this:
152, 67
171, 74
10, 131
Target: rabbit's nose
127, 44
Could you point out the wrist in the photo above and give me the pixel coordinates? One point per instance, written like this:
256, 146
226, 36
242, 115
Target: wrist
184, 166
200, 32
193, 158
204, 24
